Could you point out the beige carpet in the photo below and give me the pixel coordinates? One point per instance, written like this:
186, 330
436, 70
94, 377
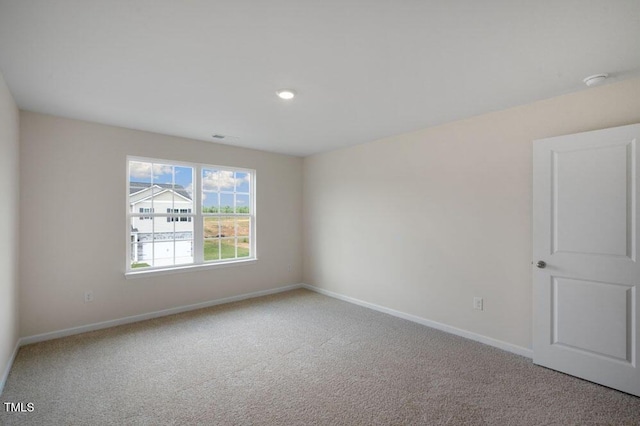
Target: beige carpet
297, 358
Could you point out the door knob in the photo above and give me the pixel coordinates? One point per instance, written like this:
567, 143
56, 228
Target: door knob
541, 264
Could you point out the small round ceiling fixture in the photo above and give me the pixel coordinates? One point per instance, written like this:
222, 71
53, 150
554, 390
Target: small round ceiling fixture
594, 80
286, 93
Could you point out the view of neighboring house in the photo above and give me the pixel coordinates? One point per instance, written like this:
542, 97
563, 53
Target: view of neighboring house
160, 240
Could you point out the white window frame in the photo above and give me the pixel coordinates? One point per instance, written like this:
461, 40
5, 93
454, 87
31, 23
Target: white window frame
198, 221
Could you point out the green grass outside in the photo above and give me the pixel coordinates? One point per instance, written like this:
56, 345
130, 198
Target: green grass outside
212, 252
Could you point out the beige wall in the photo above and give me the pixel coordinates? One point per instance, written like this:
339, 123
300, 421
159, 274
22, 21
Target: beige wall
8, 227
420, 222
67, 248
423, 222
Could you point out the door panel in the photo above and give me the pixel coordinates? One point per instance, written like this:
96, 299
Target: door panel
580, 177
585, 190
605, 330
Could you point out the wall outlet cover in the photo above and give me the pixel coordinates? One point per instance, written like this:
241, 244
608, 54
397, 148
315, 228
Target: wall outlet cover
478, 303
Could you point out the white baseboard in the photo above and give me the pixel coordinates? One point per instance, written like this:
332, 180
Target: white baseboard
518, 350
157, 314
5, 373
142, 317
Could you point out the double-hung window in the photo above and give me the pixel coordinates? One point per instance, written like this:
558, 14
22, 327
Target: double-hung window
182, 214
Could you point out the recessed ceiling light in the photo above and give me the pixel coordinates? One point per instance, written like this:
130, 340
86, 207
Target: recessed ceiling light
594, 80
286, 93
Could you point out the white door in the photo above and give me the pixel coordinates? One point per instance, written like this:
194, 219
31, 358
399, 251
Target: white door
585, 268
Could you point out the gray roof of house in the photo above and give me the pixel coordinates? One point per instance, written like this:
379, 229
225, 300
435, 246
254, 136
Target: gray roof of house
139, 186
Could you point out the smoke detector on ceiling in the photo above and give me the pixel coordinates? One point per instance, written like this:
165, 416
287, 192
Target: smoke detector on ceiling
594, 80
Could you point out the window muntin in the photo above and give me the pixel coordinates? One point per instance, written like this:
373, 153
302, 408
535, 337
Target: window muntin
227, 213
168, 201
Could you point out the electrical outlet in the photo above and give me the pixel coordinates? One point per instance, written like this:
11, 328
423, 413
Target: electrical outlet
477, 303
88, 296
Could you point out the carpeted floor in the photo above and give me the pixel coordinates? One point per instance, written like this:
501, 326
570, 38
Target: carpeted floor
296, 358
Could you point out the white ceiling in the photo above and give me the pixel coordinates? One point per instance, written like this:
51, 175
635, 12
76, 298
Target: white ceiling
363, 69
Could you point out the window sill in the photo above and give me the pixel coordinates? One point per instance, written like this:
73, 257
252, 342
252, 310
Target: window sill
187, 268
